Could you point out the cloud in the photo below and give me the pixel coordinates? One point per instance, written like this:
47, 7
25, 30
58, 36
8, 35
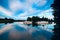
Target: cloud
21, 10
29, 12
16, 5
5, 11
22, 1
47, 13
40, 2
40, 13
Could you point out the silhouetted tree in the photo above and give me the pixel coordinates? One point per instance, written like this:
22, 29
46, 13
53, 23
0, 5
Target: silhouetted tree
29, 19
6, 20
56, 7
35, 19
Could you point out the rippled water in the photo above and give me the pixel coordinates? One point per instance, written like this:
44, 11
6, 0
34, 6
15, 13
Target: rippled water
19, 31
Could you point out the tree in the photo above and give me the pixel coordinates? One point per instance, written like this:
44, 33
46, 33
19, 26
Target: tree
56, 7
37, 18
29, 19
34, 20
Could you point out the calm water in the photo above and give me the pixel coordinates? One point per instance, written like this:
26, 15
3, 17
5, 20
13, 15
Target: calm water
19, 31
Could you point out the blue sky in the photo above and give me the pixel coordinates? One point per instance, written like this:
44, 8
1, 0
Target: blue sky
21, 9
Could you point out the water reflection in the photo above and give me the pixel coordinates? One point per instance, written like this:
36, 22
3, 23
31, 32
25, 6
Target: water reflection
19, 31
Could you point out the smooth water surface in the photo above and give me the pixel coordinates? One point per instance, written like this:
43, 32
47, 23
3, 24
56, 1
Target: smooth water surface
20, 31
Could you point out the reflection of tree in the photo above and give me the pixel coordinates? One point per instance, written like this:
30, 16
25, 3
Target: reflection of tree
56, 7
35, 19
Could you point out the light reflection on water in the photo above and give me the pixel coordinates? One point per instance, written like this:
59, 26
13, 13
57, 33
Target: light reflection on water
18, 31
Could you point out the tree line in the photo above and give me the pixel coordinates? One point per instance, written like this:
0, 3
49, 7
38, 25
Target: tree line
36, 18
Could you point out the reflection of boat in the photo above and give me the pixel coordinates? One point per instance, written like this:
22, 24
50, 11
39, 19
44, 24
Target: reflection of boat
6, 20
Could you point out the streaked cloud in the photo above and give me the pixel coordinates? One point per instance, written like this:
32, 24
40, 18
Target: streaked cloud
47, 13
21, 9
5, 11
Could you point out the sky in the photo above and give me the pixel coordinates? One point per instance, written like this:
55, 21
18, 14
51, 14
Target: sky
21, 9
